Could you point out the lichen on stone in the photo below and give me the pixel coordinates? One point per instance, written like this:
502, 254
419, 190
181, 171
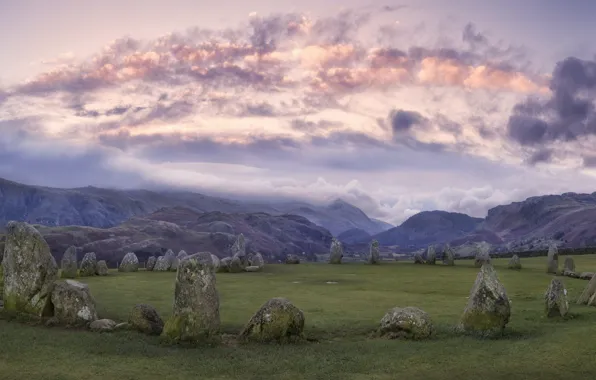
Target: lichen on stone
406, 323
88, 265
555, 299
71, 303
130, 263
374, 256
277, 320
336, 252
145, 319
514, 263
102, 268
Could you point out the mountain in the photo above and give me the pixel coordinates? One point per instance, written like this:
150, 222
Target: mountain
383, 226
104, 208
352, 236
180, 228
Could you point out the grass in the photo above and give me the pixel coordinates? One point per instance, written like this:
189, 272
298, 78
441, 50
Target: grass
341, 317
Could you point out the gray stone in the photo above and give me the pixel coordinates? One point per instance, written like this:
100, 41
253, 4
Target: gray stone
236, 265
431, 255
144, 318
515, 263
277, 320
570, 274
29, 270
151, 263
69, 267
161, 264
448, 256
253, 269
569, 264
482, 254
88, 265
102, 325
418, 259
292, 259
588, 292
586, 275
555, 299
195, 315
374, 256
72, 304
102, 268
406, 323
224, 264
336, 252
182, 255
552, 260
130, 263
216, 262
256, 260
238, 250
488, 309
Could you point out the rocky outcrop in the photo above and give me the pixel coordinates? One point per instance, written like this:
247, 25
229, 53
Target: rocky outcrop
449, 256
72, 304
69, 267
130, 263
151, 263
88, 265
102, 268
195, 315
406, 323
277, 320
555, 299
514, 263
569, 264
488, 309
29, 270
336, 252
374, 257
292, 259
431, 255
144, 318
552, 265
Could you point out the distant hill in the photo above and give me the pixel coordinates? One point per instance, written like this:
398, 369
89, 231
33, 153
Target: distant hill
354, 235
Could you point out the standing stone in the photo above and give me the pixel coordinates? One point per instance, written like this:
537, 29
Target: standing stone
588, 292
216, 262
569, 264
161, 264
514, 263
151, 263
88, 265
336, 252
374, 256
29, 269
69, 267
102, 268
72, 304
418, 259
431, 255
257, 260
292, 259
130, 263
555, 299
236, 265
488, 309
277, 320
482, 254
182, 255
239, 250
174, 265
552, 259
448, 256
224, 264
145, 319
195, 315
406, 323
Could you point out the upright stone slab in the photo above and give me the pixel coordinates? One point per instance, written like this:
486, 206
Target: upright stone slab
216, 262
224, 265
336, 252
374, 257
552, 259
151, 263
174, 265
238, 250
102, 268
555, 299
256, 260
69, 267
482, 254
277, 320
431, 255
72, 304
449, 256
588, 293
29, 270
182, 255
130, 263
236, 265
88, 265
569, 264
418, 259
161, 264
195, 315
488, 309
514, 263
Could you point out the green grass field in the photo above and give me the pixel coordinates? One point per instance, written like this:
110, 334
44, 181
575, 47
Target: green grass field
340, 317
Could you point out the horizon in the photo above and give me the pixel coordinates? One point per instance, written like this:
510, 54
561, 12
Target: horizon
395, 108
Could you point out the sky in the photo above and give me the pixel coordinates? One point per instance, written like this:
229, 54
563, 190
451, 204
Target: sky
395, 107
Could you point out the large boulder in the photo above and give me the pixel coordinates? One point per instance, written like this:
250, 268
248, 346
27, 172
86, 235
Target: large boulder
448, 256
130, 263
277, 320
145, 319
406, 323
552, 260
555, 299
29, 270
336, 252
514, 263
569, 264
418, 259
72, 304
151, 263
482, 254
488, 309
88, 265
292, 259
69, 267
256, 260
102, 268
374, 257
431, 255
195, 315
588, 292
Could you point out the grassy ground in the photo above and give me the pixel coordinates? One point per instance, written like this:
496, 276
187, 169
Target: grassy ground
341, 316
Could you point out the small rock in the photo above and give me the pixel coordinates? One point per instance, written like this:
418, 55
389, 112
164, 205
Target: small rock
556, 303
277, 320
88, 265
552, 260
292, 259
586, 275
253, 269
69, 267
122, 326
145, 319
406, 323
570, 274
336, 252
130, 263
102, 268
102, 325
515, 263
